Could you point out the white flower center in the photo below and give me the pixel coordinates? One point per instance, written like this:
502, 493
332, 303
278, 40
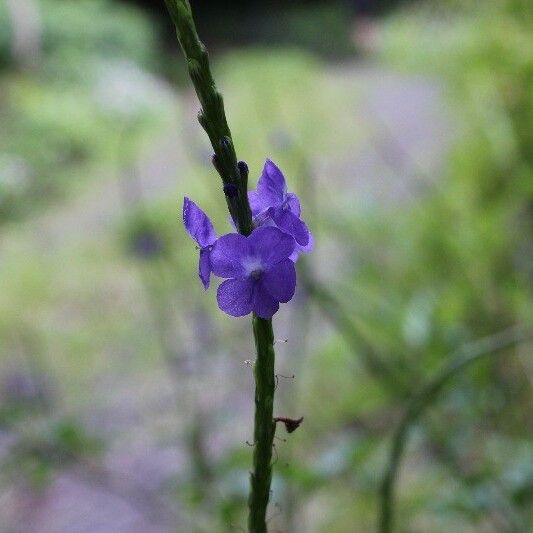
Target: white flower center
252, 266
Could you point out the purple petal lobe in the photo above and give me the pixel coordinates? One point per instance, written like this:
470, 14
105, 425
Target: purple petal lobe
236, 296
272, 178
270, 245
280, 281
293, 202
303, 249
310, 244
264, 218
204, 267
228, 255
271, 188
257, 204
291, 224
197, 224
264, 304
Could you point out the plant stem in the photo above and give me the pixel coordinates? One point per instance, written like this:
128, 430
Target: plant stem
264, 427
461, 359
234, 176
212, 116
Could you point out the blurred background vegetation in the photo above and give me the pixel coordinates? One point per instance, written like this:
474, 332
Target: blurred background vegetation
125, 396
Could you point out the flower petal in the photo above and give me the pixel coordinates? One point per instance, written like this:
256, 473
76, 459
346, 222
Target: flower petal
271, 188
280, 281
294, 203
236, 296
264, 305
310, 244
204, 267
270, 245
303, 249
292, 225
197, 224
228, 254
257, 202
264, 218
294, 256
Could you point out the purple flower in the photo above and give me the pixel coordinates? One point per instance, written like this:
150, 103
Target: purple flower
260, 271
201, 229
271, 204
303, 249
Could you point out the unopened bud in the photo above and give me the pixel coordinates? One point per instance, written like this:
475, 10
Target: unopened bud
230, 190
243, 169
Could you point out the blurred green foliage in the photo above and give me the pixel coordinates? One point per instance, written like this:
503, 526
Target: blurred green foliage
74, 33
479, 264
59, 127
456, 265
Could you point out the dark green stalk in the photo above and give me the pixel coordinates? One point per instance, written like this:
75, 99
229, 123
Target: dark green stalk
234, 176
212, 116
265, 427
461, 359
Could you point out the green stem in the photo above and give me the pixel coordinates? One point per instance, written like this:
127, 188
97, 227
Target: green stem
212, 116
461, 359
264, 427
234, 176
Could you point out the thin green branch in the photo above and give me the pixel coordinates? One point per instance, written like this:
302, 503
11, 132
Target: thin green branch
460, 359
234, 176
